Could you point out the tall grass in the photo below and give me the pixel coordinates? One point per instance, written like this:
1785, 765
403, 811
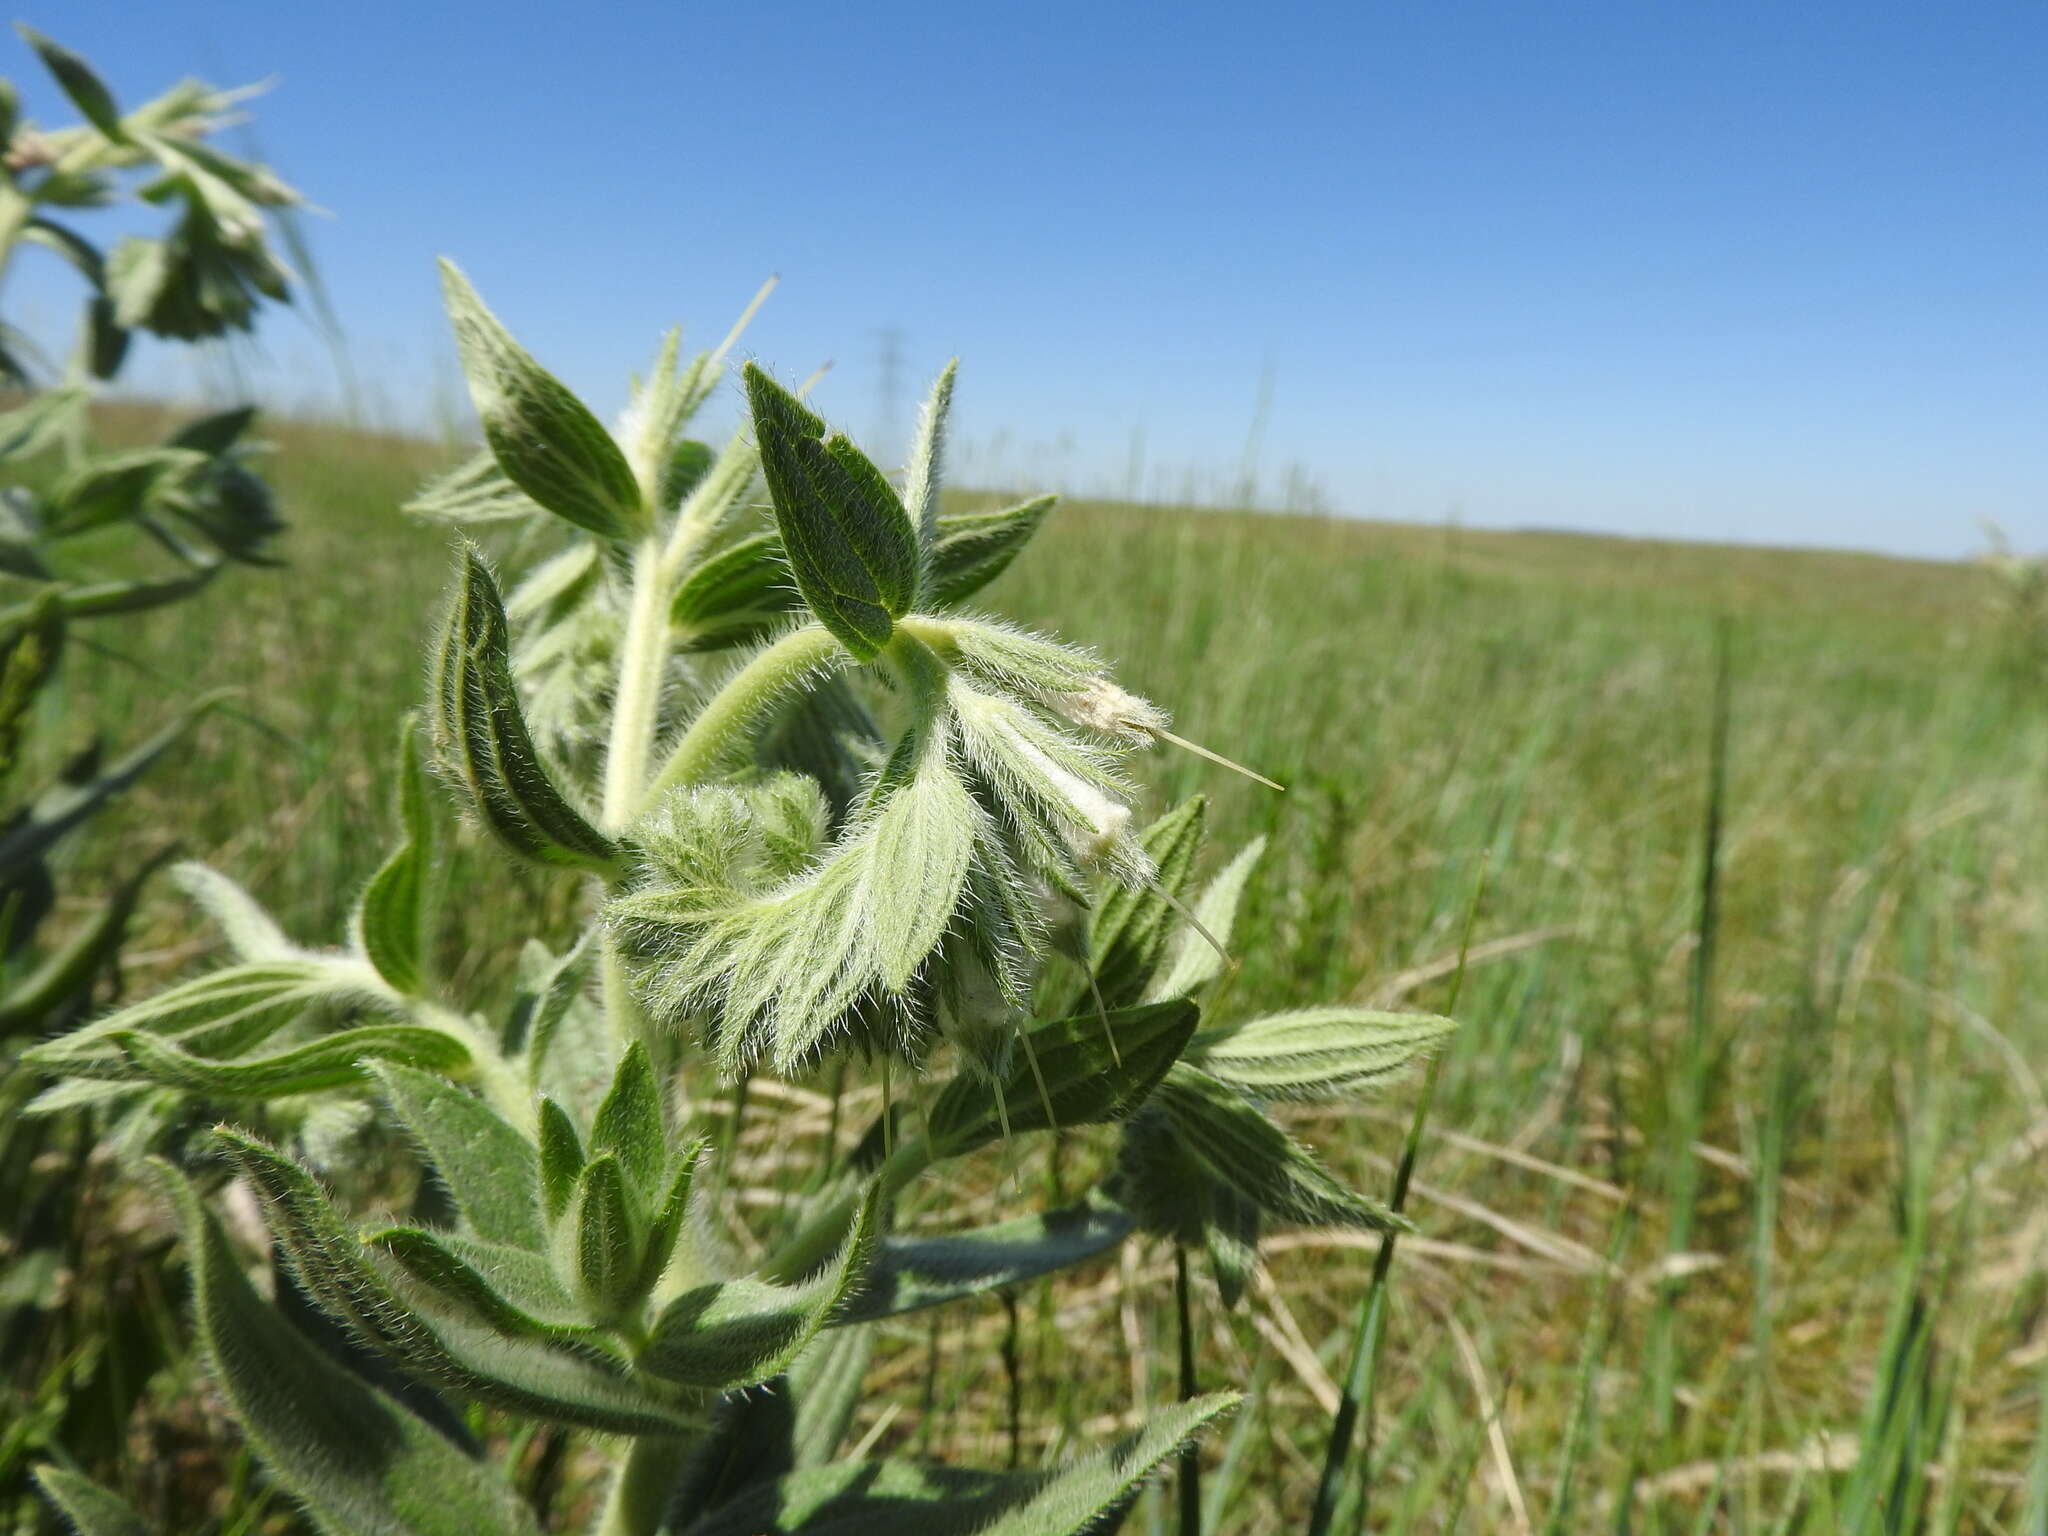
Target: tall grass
1801, 1227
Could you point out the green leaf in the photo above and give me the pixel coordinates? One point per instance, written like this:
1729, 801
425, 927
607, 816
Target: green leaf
666, 1228
1092, 1069
739, 1332
332, 1061
214, 435
1131, 924
351, 1456
251, 932
973, 548
849, 540
392, 916
604, 1237
513, 1290
629, 1121
1191, 962
1238, 1146
914, 1272
736, 597
551, 1379
87, 91
924, 836
225, 1013
91, 1509
116, 487
561, 1158
475, 491
481, 735
1318, 1053
890, 1498
490, 1170
926, 473
41, 420
544, 438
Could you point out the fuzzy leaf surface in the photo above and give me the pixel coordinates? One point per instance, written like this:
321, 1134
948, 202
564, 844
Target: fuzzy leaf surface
849, 540
91, 1509
549, 1379
481, 735
1087, 1079
351, 1456
736, 1333
490, 1170
544, 438
1131, 924
1318, 1053
971, 549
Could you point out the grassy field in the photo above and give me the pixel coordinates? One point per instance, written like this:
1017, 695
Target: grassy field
1701, 1246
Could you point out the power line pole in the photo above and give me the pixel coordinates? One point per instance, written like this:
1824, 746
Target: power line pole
889, 395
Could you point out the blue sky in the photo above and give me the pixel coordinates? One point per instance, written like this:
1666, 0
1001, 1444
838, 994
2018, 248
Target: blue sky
1762, 272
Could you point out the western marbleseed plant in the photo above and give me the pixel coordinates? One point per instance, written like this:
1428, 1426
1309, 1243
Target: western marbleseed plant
830, 820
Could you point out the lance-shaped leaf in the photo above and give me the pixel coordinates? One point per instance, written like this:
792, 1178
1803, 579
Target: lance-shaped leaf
352, 1457
973, 548
91, 1509
332, 1061
849, 540
602, 1234
393, 916
1191, 962
1318, 1053
561, 1158
738, 596
629, 1122
914, 1272
736, 1333
1066, 1073
1237, 1145
550, 1379
489, 1169
514, 1290
481, 735
925, 475
1131, 924
544, 438
223, 1014
87, 91
888, 1498
474, 491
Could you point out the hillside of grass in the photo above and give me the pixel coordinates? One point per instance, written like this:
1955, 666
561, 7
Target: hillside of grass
1696, 1243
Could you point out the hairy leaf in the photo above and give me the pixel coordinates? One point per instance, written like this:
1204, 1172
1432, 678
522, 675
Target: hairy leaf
925, 476
850, 542
544, 438
392, 916
87, 91
1238, 1146
1067, 1073
973, 548
332, 1061
734, 1333
1129, 929
490, 1170
356, 1460
481, 736
551, 1379
91, 1509
1191, 962
1318, 1053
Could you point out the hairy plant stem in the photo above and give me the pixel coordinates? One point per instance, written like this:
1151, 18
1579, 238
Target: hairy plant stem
637, 707
642, 1487
740, 706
